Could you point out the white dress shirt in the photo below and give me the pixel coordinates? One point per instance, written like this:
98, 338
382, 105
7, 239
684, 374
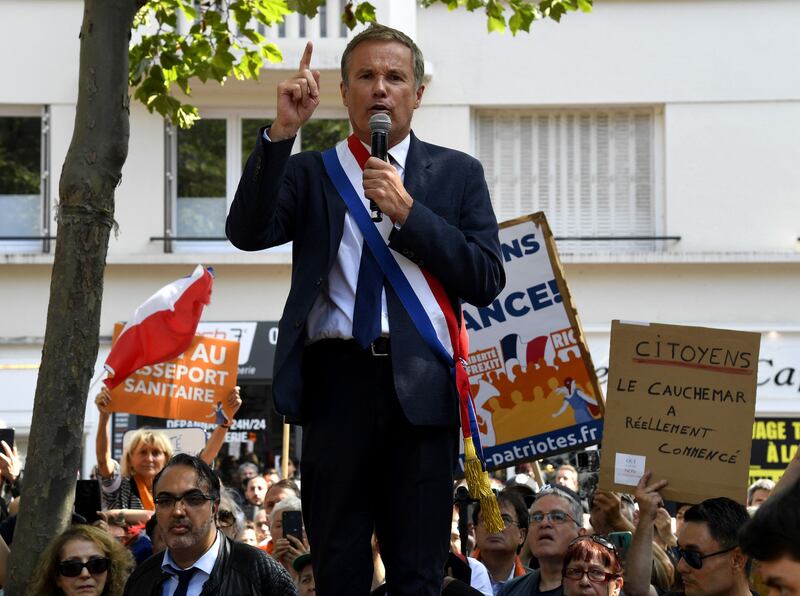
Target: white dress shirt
203, 567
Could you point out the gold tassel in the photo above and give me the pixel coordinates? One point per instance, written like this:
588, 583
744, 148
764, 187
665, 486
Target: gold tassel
480, 489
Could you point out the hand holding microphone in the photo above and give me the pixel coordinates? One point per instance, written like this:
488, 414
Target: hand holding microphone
379, 124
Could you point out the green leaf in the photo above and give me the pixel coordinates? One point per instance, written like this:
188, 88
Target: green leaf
186, 115
348, 16
496, 24
270, 12
585, 5
365, 13
271, 52
473, 5
309, 8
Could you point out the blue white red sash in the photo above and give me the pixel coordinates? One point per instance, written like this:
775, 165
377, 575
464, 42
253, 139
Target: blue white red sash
421, 294
428, 306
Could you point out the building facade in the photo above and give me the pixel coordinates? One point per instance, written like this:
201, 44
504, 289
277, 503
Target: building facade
660, 137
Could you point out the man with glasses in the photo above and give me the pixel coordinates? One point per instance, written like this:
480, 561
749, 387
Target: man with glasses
709, 558
554, 523
199, 558
498, 551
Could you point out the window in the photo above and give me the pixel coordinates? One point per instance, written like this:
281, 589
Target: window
593, 172
207, 161
23, 180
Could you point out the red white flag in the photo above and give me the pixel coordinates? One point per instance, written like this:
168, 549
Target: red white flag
162, 328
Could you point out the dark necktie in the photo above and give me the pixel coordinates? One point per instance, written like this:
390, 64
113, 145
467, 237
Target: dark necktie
369, 287
367, 307
184, 577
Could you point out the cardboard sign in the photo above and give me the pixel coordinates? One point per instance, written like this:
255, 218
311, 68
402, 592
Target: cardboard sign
681, 402
194, 386
775, 442
532, 379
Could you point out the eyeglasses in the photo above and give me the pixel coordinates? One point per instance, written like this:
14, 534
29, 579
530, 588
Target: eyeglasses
556, 516
74, 567
597, 576
192, 499
695, 559
225, 518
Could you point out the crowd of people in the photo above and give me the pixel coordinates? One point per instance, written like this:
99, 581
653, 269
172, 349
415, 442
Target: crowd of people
163, 513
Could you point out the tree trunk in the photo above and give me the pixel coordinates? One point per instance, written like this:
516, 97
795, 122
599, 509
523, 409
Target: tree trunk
91, 172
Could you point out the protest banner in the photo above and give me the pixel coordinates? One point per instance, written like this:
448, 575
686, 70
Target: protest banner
775, 442
532, 379
681, 402
193, 386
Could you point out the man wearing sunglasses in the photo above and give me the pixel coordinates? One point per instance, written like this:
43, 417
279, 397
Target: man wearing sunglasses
199, 557
709, 558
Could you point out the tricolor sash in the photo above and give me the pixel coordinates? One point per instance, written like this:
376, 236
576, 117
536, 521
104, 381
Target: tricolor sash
426, 302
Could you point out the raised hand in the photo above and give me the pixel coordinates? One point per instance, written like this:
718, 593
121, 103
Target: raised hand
648, 497
103, 400
298, 97
9, 462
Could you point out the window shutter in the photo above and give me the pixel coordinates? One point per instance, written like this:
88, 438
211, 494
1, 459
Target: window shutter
590, 171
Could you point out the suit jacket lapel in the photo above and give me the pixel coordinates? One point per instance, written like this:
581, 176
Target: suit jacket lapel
418, 170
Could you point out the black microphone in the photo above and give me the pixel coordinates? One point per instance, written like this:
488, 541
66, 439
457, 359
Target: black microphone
379, 124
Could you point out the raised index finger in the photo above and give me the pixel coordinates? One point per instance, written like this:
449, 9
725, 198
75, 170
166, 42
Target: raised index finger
305, 61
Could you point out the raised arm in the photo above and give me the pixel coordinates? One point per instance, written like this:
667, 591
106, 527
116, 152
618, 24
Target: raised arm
105, 465
217, 438
639, 562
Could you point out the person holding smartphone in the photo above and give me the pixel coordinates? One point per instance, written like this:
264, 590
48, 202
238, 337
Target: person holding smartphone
288, 534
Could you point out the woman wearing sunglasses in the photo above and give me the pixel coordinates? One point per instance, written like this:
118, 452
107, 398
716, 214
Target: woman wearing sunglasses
592, 566
82, 560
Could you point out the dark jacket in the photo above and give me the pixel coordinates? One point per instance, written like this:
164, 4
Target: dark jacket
451, 232
240, 570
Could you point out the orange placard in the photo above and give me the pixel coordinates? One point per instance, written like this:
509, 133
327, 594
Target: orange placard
193, 386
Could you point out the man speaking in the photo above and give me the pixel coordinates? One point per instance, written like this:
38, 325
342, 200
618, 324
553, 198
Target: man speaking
372, 314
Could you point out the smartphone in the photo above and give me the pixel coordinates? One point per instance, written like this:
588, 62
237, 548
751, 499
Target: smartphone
293, 524
87, 499
622, 542
7, 435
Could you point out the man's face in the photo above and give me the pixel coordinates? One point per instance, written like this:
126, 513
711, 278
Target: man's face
381, 79
568, 478
759, 496
261, 521
718, 575
305, 582
274, 496
782, 576
548, 539
505, 542
256, 490
187, 530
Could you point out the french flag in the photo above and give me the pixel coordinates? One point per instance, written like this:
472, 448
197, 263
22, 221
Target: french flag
162, 328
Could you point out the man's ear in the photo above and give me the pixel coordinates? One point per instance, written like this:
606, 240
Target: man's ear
343, 91
420, 91
739, 560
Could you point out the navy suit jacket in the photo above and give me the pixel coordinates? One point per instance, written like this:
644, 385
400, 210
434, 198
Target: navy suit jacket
451, 231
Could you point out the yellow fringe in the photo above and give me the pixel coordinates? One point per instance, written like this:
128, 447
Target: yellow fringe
480, 488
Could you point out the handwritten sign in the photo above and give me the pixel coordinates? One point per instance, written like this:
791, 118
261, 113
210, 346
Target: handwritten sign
194, 386
535, 389
681, 402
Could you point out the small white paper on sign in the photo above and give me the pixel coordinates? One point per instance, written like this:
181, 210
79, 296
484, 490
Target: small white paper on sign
628, 469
